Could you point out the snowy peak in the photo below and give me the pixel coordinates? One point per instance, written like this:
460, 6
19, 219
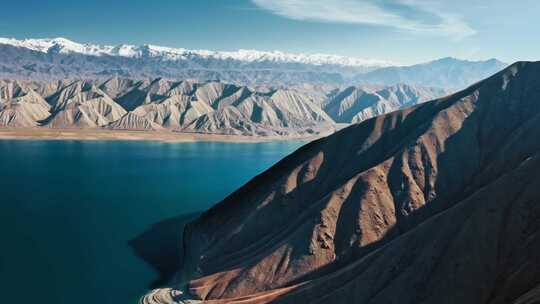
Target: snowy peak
66, 46
57, 45
22, 59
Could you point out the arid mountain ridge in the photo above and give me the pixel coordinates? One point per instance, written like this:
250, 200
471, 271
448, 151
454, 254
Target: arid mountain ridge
204, 107
435, 203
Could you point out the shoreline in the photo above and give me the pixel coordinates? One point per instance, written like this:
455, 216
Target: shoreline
132, 135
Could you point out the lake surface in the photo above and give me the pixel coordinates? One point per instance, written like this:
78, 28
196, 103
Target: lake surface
71, 210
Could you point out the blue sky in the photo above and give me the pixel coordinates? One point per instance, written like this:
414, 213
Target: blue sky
403, 31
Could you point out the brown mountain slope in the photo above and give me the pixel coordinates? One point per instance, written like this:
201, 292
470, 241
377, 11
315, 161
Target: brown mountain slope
439, 203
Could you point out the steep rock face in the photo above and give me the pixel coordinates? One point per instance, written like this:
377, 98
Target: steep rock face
46, 89
174, 105
215, 107
279, 109
131, 121
356, 104
20, 92
228, 120
270, 113
20, 106
22, 114
81, 104
296, 109
438, 203
173, 112
211, 92
116, 87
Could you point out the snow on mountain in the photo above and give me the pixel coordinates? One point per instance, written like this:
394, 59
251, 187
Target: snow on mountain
23, 59
58, 45
65, 46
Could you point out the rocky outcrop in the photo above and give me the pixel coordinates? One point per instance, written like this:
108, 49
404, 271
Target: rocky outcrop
356, 104
173, 112
21, 106
131, 121
21, 114
438, 203
82, 105
228, 120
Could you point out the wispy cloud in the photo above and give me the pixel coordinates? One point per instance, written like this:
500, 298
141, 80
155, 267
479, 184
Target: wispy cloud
427, 17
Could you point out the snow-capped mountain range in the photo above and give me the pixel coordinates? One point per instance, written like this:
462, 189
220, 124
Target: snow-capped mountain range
60, 58
66, 46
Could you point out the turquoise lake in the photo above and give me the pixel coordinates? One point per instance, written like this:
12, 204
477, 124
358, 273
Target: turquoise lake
75, 215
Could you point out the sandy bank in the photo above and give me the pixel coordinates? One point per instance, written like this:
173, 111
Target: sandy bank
166, 136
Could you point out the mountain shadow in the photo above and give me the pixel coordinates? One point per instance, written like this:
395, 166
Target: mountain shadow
161, 246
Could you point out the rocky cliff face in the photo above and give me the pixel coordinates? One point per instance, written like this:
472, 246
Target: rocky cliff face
21, 106
81, 104
356, 104
438, 203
